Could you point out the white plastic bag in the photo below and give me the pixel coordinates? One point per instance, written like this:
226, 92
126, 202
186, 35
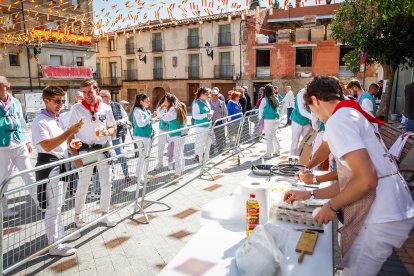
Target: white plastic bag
263, 251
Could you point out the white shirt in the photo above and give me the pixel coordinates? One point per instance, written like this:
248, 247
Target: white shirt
367, 106
103, 118
45, 128
168, 115
289, 100
196, 111
348, 130
139, 117
301, 105
64, 119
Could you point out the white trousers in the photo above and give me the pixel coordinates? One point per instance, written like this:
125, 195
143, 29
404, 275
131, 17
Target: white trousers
84, 180
373, 245
297, 131
270, 130
201, 141
179, 142
18, 157
55, 192
317, 142
140, 170
162, 141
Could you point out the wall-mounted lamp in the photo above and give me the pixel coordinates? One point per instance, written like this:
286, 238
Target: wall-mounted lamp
37, 49
140, 57
208, 50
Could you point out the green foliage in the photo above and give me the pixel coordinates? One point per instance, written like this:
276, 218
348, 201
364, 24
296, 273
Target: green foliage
390, 8
351, 60
387, 37
254, 4
276, 4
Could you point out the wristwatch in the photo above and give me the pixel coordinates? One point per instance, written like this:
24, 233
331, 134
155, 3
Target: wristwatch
315, 181
330, 207
311, 197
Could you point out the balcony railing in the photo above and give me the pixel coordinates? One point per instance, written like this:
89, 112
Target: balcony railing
130, 49
109, 81
262, 72
193, 41
157, 45
157, 74
193, 72
223, 71
224, 39
130, 75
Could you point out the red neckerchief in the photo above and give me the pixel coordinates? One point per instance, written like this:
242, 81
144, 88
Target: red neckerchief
353, 104
88, 107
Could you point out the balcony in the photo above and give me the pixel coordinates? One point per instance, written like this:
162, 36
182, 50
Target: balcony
263, 72
224, 39
193, 72
108, 81
130, 75
157, 45
193, 41
130, 50
157, 74
223, 71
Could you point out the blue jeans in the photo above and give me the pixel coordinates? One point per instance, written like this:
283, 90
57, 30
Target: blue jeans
122, 159
409, 126
289, 113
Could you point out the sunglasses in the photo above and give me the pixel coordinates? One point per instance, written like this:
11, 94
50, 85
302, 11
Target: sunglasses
93, 116
58, 102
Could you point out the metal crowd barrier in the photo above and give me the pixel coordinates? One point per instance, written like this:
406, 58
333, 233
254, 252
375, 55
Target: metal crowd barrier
24, 236
143, 167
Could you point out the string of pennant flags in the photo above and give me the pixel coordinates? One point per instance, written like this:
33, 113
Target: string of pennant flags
71, 26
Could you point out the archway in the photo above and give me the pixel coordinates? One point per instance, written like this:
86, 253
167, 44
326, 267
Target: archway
157, 94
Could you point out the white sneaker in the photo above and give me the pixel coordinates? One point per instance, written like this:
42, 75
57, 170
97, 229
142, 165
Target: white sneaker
7, 213
74, 237
170, 166
276, 153
266, 156
108, 222
158, 167
79, 221
92, 195
41, 209
62, 250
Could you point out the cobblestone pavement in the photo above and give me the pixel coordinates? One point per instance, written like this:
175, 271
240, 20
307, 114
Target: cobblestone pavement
136, 248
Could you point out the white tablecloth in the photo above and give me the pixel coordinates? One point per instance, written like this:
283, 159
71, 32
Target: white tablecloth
212, 249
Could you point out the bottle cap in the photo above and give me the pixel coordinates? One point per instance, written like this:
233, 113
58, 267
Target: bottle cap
252, 196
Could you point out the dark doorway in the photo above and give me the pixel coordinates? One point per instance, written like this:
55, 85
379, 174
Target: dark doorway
157, 94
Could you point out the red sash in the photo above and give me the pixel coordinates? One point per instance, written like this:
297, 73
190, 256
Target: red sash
353, 104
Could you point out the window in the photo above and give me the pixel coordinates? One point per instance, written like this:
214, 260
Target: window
55, 60
79, 61
7, 21
156, 42
112, 45
131, 72
14, 60
98, 71
193, 38
193, 68
262, 58
304, 57
130, 45
158, 68
224, 35
225, 69
113, 73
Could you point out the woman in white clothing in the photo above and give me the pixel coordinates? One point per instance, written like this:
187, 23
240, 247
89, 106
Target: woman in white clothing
175, 118
143, 120
202, 114
162, 139
268, 110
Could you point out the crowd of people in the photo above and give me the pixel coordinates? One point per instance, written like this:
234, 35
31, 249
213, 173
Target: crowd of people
370, 198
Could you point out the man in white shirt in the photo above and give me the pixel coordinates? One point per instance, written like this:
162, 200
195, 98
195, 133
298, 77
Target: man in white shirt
377, 207
99, 126
15, 145
362, 97
289, 102
50, 142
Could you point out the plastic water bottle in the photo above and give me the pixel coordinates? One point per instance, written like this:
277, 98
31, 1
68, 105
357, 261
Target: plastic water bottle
252, 214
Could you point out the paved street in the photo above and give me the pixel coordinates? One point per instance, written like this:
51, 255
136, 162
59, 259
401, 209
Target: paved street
136, 248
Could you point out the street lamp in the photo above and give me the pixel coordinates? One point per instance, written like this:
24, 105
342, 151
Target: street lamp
140, 57
208, 50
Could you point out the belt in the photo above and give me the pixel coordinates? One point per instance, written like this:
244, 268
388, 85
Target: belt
388, 175
87, 147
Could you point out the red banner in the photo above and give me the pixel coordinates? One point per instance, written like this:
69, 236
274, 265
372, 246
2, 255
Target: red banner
67, 72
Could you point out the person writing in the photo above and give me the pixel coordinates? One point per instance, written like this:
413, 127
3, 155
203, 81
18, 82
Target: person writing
377, 207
